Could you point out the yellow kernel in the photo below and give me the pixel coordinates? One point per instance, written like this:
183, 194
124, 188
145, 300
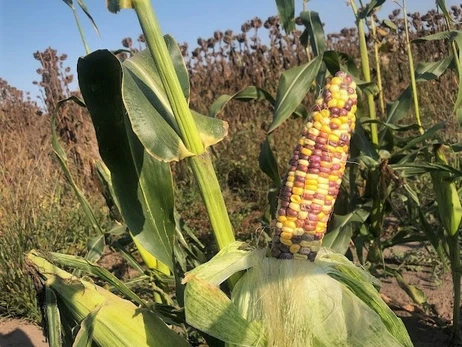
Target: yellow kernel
327, 208
289, 184
282, 219
310, 176
323, 186
323, 180
317, 125
290, 178
332, 103
336, 80
352, 84
294, 248
311, 187
303, 162
329, 198
285, 241
318, 201
299, 232
336, 121
343, 119
319, 230
302, 214
322, 215
333, 138
289, 224
340, 103
336, 95
332, 178
319, 101
296, 198
294, 206
317, 116
314, 131
326, 129
353, 109
301, 141
297, 190
300, 173
325, 113
322, 191
279, 225
334, 88
286, 235
306, 151
309, 142
292, 218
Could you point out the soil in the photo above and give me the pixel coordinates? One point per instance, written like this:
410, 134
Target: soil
428, 324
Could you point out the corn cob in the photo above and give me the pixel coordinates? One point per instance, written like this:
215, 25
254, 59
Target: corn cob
311, 186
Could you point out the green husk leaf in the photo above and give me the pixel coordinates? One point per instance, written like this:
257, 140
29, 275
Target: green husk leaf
118, 322
53, 318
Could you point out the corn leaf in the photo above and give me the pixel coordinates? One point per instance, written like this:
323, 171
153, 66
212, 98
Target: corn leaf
341, 228
147, 208
150, 112
315, 31
369, 8
116, 322
451, 36
53, 319
208, 309
293, 87
268, 163
432, 70
84, 337
286, 11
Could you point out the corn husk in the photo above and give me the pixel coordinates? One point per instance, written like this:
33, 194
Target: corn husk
114, 321
330, 302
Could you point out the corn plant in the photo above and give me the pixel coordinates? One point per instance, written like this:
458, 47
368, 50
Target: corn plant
143, 121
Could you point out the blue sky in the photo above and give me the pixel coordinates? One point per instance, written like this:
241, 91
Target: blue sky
28, 26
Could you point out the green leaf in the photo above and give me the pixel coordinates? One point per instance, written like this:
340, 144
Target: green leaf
268, 163
53, 319
433, 70
339, 237
442, 5
142, 184
150, 112
84, 265
208, 309
84, 8
427, 135
84, 337
247, 94
368, 10
286, 11
95, 248
293, 87
396, 111
416, 294
455, 36
389, 24
62, 159
315, 31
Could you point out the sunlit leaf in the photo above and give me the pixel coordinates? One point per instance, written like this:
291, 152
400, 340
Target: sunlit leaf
147, 208
293, 87
315, 31
433, 70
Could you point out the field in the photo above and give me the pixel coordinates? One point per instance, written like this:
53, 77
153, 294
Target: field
402, 240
